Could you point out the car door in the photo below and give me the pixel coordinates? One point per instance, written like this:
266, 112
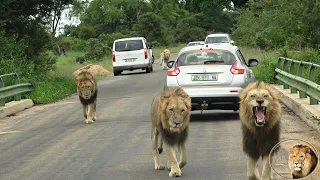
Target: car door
250, 75
148, 49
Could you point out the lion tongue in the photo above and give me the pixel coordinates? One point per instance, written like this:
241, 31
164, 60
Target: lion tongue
260, 115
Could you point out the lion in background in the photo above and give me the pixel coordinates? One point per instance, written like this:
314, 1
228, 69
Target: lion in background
170, 116
164, 57
302, 161
87, 92
260, 113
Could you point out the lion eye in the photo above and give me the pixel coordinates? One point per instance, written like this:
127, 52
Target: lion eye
171, 109
183, 110
252, 96
265, 96
301, 156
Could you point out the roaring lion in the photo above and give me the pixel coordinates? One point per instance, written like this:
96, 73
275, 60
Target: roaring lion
302, 161
170, 116
87, 92
164, 57
260, 113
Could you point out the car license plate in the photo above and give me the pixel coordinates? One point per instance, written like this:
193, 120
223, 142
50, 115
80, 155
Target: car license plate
204, 77
129, 60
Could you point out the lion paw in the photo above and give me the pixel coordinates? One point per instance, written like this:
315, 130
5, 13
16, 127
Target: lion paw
159, 167
175, 172
94, 119
89, 121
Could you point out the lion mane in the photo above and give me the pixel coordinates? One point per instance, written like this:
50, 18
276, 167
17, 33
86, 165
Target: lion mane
87, 92
170, 116
260, 113
302, 161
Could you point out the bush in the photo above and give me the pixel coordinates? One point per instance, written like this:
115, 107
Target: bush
52, 89
265, 71
96, 50
73, 44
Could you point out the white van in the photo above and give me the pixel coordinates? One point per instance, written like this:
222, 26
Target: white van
130, 54
218, 38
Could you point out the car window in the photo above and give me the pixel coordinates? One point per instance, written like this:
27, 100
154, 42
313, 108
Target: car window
220, 39
240, 56
193, 44
129, 45
198, 57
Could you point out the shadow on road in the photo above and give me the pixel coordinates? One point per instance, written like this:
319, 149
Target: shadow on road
206, 116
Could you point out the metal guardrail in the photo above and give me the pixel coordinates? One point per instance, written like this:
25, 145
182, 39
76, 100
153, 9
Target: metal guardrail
290, 73
13, 90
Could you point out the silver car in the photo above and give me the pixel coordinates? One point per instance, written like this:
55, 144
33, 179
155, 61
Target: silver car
212, 75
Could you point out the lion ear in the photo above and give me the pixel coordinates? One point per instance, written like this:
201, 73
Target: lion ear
308, 150
292, 150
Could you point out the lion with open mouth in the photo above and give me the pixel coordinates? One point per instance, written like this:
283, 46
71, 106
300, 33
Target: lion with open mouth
260, 113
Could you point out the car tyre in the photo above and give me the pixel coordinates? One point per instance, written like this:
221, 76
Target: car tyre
116, 73
148, 69
152, 59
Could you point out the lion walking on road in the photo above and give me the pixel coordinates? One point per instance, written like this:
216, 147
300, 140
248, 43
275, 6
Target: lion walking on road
87, 92
170, 116
260, 114
164, 57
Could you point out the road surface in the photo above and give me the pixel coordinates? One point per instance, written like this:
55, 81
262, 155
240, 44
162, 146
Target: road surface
53, 142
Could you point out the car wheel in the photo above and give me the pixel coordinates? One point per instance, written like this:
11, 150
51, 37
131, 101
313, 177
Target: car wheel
152, 59
148, 69
116, 73
151, 68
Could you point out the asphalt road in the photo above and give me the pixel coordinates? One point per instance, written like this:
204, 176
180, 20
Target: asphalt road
53, 141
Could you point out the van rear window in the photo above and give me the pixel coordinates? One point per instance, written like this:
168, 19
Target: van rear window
128, 45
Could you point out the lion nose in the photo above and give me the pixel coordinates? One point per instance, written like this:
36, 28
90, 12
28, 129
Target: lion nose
177, 123
296, 163
260, 102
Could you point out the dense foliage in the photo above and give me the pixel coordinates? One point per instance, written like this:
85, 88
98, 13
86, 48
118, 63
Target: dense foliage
29, 46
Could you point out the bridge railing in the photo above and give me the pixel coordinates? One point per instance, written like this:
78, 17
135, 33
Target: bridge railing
14, 90
299, 76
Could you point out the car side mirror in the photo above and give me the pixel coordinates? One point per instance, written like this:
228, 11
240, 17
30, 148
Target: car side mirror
170, 64
253, 62
232, 42
150, 46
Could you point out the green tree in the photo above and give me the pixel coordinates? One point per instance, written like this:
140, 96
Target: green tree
152, 27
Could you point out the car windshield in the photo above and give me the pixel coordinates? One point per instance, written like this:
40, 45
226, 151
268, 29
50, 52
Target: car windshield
128, 45
207, 57
220, 39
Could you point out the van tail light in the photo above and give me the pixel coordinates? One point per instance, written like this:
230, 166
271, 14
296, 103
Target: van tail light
236, 70
145, 53
113, 56
175, 71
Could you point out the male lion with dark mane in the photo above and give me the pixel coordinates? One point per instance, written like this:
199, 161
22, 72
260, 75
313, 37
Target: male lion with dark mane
170, 116
260, 113
302, 161
87, 92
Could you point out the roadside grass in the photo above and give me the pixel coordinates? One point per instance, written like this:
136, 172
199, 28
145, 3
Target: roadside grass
52, 90
61, 83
